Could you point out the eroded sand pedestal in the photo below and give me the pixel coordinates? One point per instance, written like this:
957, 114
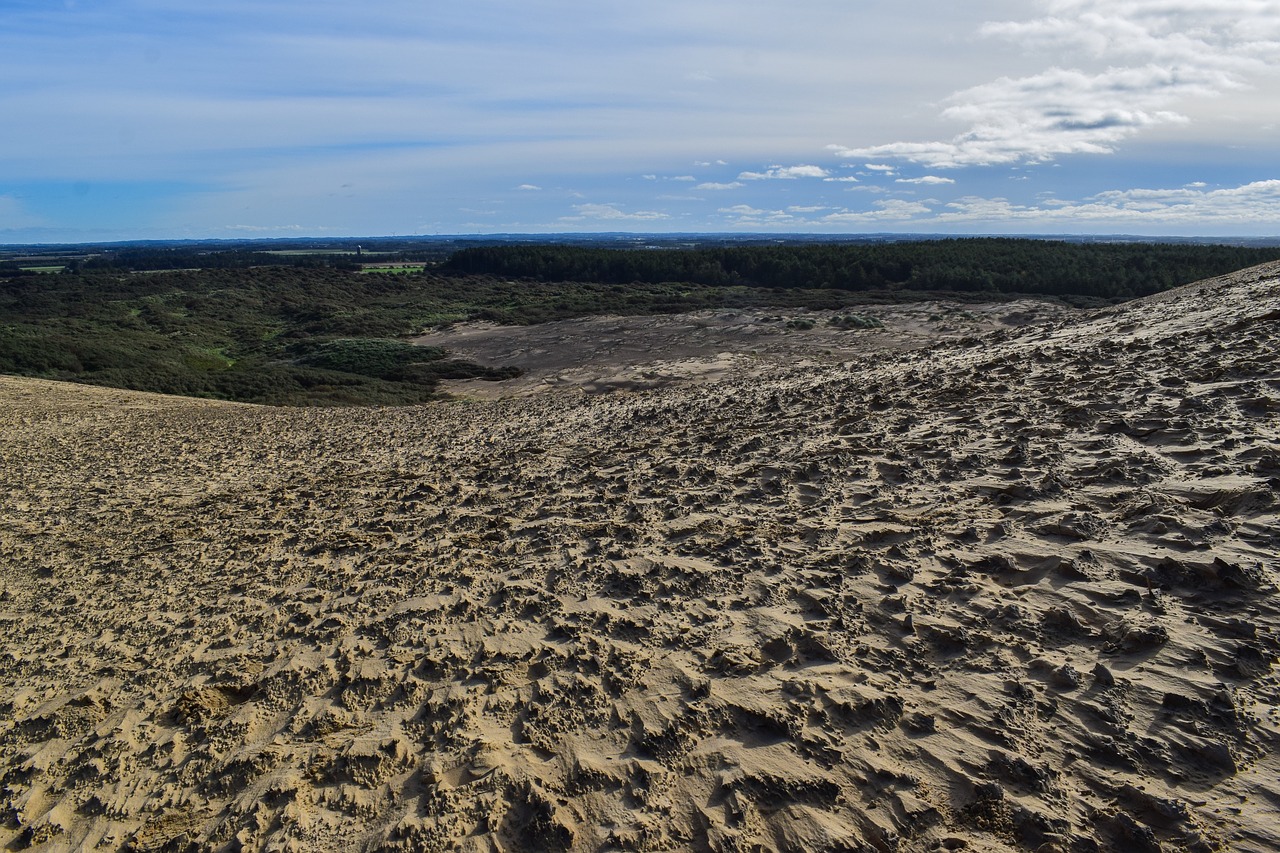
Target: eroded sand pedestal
1010, 591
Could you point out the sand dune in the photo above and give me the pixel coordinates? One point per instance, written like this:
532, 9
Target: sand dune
1008, 591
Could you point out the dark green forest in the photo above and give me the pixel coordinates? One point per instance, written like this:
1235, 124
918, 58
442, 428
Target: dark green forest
991, 265
316, 332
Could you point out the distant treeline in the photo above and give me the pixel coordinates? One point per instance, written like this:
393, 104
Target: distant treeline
995, 265
151, 260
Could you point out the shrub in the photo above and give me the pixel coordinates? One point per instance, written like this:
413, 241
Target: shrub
855, 321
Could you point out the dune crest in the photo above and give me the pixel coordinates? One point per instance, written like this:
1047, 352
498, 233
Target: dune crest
1012, 591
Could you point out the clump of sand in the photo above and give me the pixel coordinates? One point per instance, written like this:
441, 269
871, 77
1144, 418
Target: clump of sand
1014, 590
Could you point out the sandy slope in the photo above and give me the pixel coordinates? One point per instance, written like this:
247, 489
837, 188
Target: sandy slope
1010, 592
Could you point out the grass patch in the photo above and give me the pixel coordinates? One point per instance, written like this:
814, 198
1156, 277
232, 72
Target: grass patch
206, 359
393, 269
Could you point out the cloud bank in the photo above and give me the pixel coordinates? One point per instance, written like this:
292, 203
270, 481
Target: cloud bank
1250, 203
1158, 54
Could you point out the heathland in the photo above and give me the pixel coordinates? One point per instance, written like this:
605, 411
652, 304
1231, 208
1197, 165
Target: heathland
306, 328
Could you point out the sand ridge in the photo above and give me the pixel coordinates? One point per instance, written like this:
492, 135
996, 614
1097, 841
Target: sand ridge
1010, 591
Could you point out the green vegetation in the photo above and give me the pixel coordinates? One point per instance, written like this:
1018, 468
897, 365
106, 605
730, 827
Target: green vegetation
392, 360
307, 330
280, 335
987, 265
855, 321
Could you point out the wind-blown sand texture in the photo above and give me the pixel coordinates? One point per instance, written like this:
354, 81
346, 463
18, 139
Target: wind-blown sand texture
1015, 591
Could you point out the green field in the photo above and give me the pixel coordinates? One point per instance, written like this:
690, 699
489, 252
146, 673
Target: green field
398, 269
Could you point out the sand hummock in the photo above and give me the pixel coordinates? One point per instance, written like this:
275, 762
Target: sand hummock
1008, 590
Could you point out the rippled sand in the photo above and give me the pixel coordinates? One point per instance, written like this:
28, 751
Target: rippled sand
1013, 590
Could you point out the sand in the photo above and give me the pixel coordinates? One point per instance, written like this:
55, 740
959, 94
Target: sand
603, 354
1012, 589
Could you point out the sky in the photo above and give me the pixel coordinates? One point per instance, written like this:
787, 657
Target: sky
170, 119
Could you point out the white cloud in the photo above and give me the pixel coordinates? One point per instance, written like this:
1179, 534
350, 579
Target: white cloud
812, 208
611, 212
881, 167
1034, 119
747, 215
785, 173
888, 209
1175, 50
1250, 204
845, 180
688, 178
926, 179
711, 185
528, 187
1229, 35
898, 209
743, 210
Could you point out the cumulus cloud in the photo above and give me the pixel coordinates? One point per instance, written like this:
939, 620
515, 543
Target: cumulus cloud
1159, 52
611, 212
926, 179
785, 173
712, 185
528, 187
1228, 35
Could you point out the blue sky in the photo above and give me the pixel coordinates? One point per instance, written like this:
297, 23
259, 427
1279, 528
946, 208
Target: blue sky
151, 119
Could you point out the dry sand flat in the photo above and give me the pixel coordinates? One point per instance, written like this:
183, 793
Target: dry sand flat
1015, 592
605, 354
